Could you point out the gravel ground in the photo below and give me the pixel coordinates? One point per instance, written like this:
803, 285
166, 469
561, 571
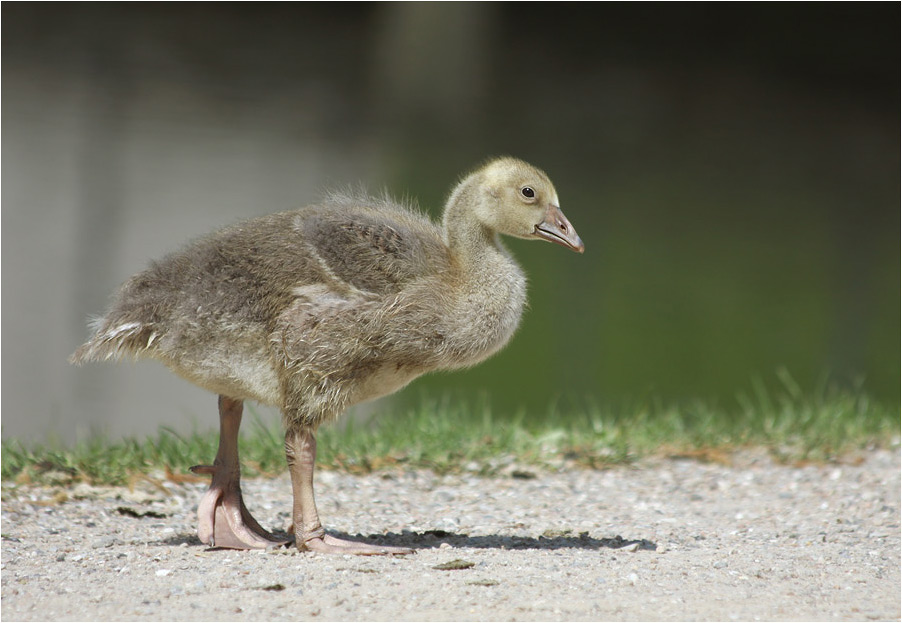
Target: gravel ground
666, 539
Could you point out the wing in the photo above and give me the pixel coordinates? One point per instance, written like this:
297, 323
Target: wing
376, 253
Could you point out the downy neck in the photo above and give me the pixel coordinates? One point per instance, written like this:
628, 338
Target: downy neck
471, 242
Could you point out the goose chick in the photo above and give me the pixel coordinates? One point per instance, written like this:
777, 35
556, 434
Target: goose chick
327, 306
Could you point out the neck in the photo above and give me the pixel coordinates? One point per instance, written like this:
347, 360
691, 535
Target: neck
489, 292
468, 239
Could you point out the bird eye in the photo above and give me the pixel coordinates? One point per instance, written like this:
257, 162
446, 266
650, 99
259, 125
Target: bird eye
527, 192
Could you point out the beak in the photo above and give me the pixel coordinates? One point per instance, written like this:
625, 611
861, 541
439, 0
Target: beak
556, 228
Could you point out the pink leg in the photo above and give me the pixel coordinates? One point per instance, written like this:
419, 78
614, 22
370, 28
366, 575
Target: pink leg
300, 449
223, 520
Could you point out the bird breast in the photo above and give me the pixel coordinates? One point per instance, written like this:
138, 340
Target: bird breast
465, 329
484, 316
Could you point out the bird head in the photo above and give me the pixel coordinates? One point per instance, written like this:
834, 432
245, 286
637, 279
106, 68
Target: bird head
519, 200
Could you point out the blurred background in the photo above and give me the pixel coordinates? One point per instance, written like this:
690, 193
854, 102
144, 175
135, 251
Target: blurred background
733, 170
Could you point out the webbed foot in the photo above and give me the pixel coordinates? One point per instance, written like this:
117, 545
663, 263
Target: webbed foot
223, 519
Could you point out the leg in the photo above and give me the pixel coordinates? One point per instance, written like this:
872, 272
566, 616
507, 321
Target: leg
300, 450
223, 520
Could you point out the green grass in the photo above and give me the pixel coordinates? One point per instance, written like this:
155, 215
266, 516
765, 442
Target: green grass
451, 436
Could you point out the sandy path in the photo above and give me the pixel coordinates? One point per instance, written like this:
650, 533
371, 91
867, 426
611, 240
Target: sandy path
663, 539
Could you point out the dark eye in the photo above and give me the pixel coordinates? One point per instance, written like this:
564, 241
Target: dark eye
528, 192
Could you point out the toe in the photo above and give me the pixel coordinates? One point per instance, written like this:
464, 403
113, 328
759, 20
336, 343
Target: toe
233, 533
332, 545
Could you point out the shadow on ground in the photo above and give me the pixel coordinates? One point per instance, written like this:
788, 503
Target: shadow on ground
431, 539
435, 538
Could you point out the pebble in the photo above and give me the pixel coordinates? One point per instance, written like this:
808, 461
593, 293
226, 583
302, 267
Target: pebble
104, 542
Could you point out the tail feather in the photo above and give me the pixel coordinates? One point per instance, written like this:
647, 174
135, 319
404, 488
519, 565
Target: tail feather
116, 340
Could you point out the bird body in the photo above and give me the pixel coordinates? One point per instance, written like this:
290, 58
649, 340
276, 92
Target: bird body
316, 309
264, 310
